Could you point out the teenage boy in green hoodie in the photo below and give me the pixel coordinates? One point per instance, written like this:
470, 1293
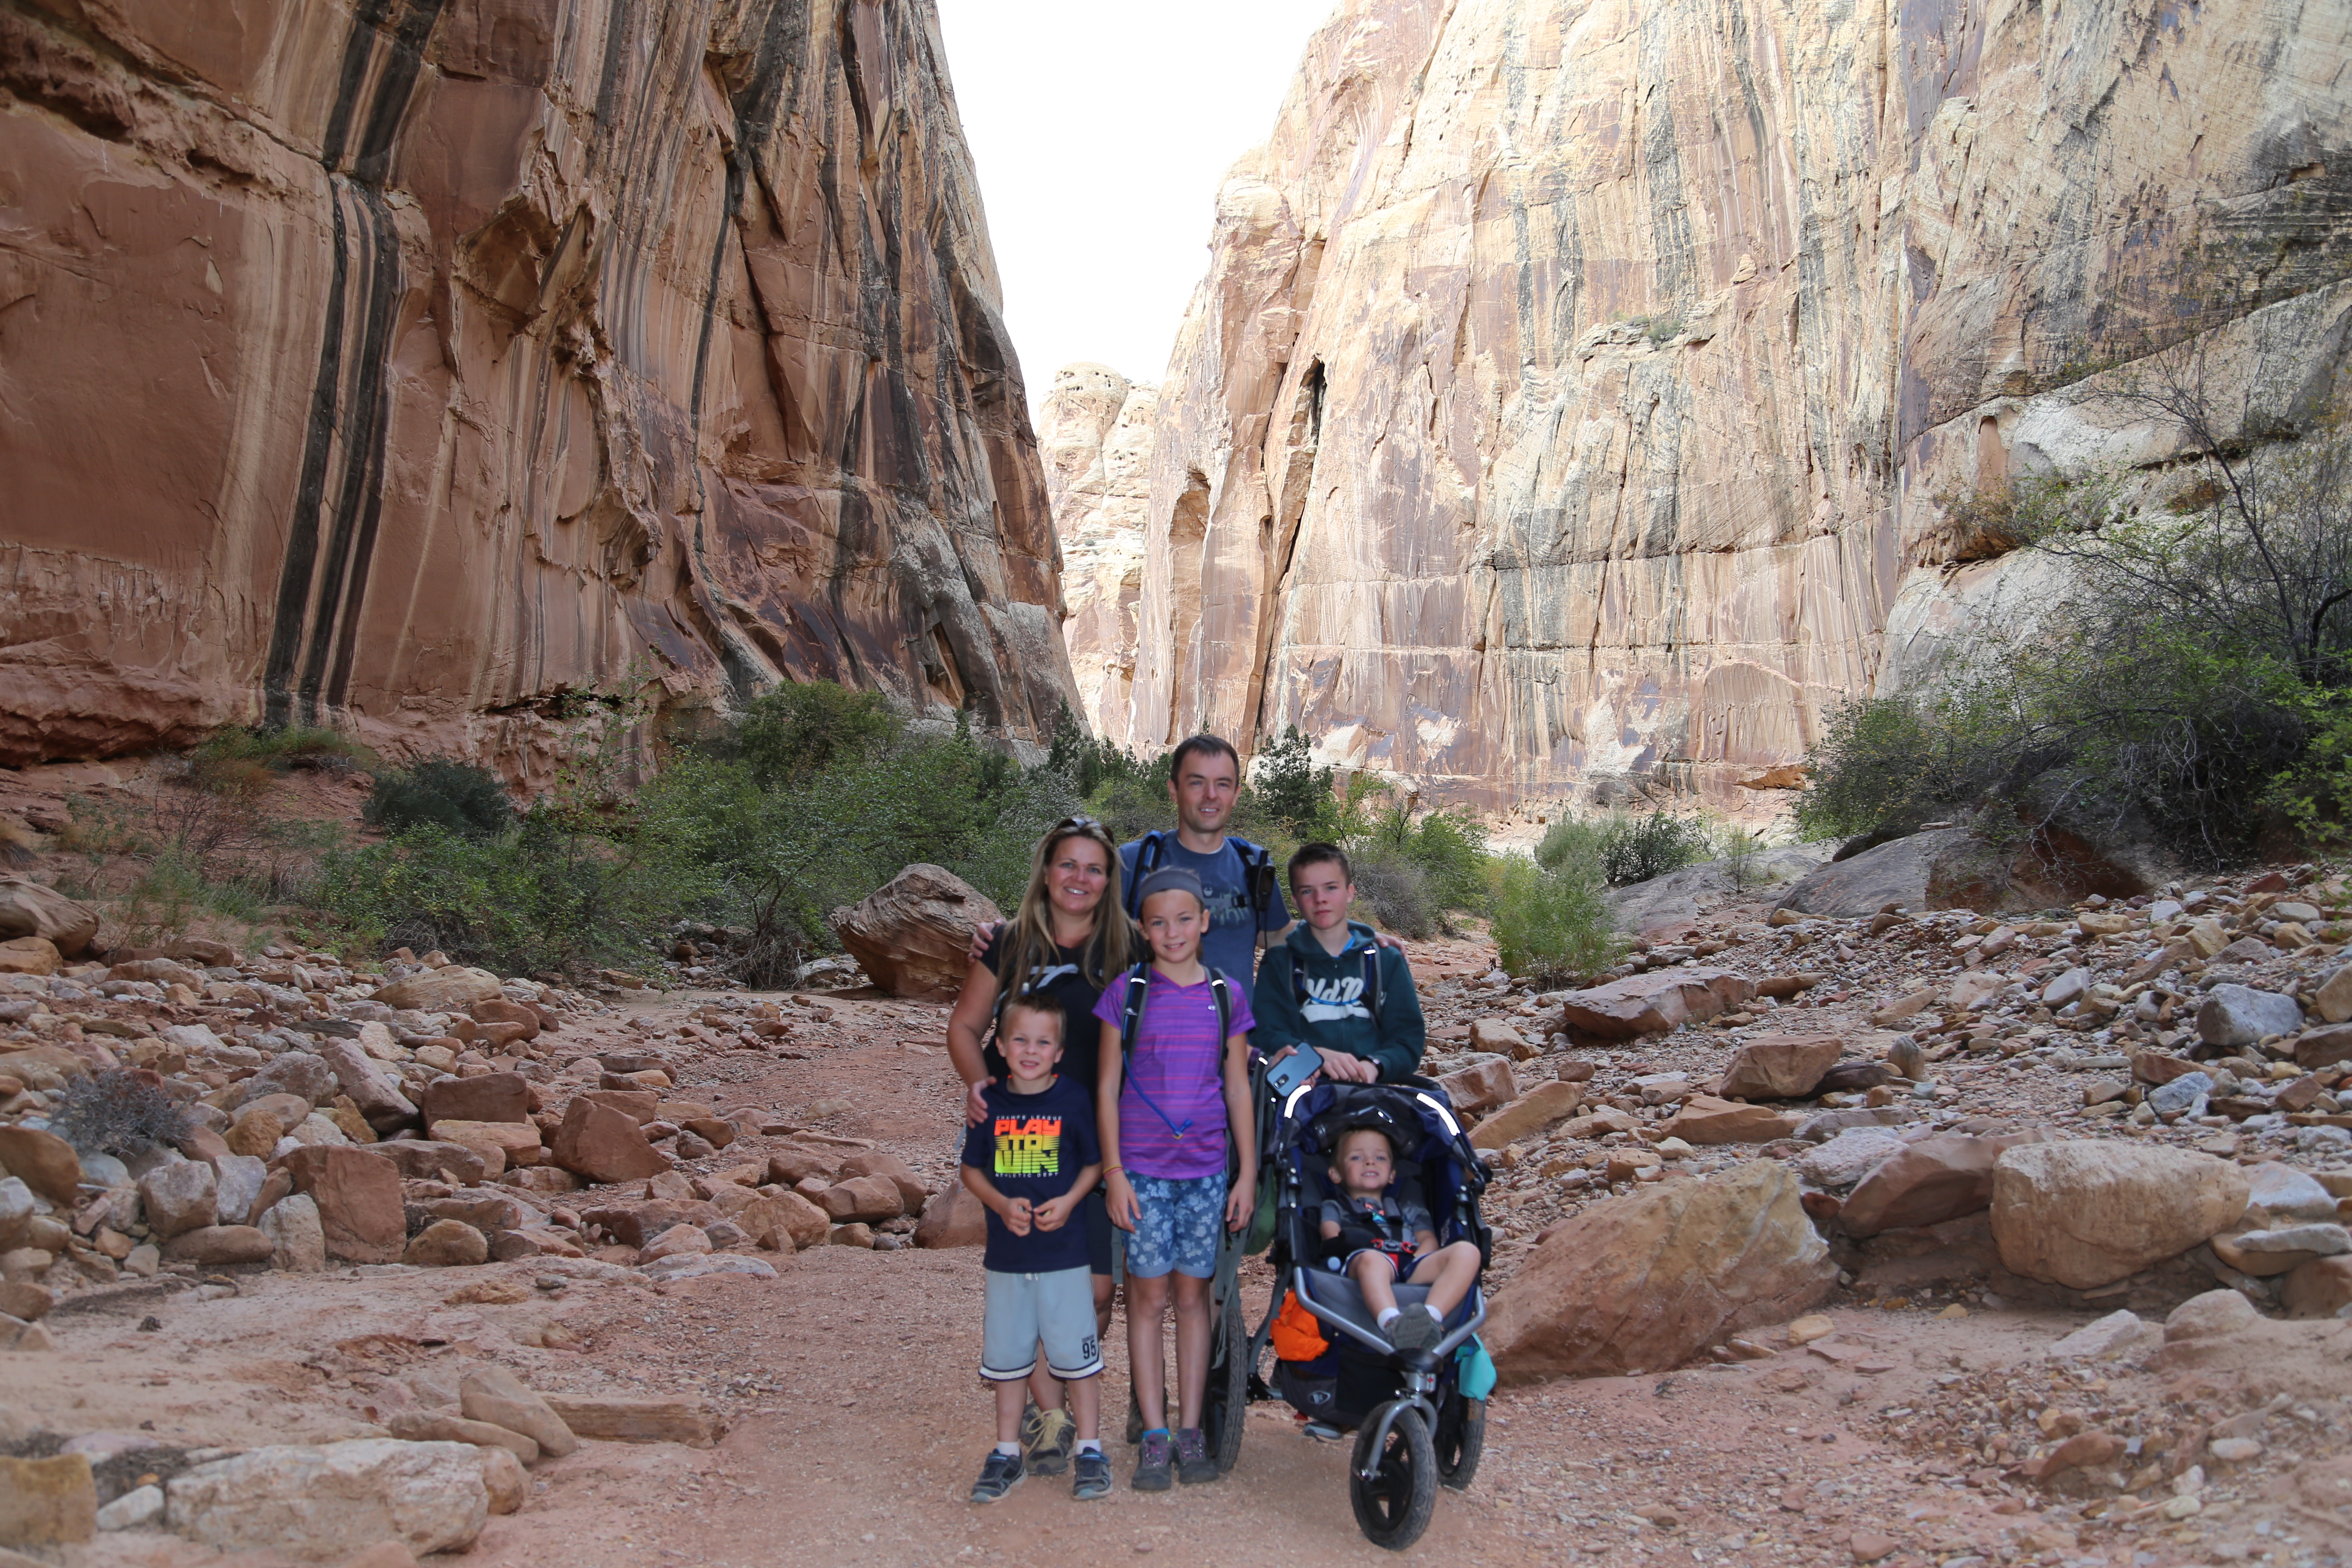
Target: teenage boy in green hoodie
1331, 988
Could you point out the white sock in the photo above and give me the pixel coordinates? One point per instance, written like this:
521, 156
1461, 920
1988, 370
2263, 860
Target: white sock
1089, 1445
1435, 1316
1009, 1450
1388, 1317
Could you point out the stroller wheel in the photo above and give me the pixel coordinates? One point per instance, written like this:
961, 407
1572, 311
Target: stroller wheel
1460, 1438
1228, 1393
1395, 1490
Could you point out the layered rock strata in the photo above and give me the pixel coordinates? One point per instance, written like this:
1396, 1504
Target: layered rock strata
436, 363
1581, 395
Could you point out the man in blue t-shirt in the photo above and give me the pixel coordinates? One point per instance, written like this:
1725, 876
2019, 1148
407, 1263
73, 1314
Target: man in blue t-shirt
1244, 904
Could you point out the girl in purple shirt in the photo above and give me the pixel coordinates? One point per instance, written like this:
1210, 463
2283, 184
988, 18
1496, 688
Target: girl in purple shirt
1164, 1118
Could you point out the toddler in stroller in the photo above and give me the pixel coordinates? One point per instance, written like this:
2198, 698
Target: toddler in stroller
1376, 1333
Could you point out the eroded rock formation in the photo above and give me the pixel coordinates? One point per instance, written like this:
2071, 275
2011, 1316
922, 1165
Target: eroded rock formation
1094, 431
433, 362
1577, 394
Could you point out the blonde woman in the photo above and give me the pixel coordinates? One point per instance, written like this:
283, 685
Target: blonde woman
1070, 939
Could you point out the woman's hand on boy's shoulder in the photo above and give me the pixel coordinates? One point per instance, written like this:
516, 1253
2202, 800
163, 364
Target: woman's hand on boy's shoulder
982, 935
975, 1102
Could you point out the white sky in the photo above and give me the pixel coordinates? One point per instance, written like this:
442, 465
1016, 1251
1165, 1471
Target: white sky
1102, 129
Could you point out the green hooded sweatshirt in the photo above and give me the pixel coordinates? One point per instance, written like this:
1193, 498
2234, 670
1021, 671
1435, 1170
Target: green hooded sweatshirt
1333, 1015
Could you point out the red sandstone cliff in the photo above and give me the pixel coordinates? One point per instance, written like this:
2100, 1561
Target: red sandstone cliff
429, 363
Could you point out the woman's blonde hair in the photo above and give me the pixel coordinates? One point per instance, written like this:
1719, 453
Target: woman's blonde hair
1029, 942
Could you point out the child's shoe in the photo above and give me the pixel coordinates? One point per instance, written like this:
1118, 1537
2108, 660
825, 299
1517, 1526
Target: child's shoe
1193, 1466
1416, 1328
1151, 1474
1049, 1447
999, 1475
1093, 1478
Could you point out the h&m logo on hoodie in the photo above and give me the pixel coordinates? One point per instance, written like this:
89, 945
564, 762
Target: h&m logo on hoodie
1328, 1000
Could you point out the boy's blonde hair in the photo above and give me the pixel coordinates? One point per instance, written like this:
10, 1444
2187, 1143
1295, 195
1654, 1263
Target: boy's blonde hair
1036, 1006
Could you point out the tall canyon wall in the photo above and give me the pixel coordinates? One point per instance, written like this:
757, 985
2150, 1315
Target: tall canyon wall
430, 365
1578, 391
1094, 431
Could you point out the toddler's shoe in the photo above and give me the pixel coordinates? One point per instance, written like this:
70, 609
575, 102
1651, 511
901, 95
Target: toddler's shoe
1193, 1466
1416, 1328
999, 1475
1049, 1447
1151, 1473
1093, 1478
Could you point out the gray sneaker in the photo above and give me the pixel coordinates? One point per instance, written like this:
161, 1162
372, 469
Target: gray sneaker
1093, 1478
999, 1475
1151, 1464
1193, 1466
1048, 1450
1416, 1328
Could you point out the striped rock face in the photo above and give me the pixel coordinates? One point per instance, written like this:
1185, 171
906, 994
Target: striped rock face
1581, 398
420, 362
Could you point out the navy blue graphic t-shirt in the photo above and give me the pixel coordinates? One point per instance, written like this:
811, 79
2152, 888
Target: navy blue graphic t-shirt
1034, 1146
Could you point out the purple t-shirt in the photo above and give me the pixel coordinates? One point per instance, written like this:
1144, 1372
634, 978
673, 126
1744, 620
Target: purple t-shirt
1178, 1068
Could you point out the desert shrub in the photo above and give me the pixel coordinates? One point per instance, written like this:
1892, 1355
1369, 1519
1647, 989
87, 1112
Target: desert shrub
2186, 684
115, 1113
1634, 849
1551, 924
439, 792
1448, 847
798, 730
1738, 848
1291, 790
240, 760
1395, 891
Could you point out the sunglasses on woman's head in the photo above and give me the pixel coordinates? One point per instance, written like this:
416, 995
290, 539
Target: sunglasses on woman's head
1080, 823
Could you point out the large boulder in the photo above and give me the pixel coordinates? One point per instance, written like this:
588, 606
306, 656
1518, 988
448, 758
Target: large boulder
306, 1077
1644, 1282
867, 1198
361, 1212
1779, 1066
1927, 1182
1910, 872
913, 935
604, 1145
34, 909
1673, 902
1655, 1003
2085, 1214
298, 1241
452, 989
783, 1220
335, 1500
888, 1167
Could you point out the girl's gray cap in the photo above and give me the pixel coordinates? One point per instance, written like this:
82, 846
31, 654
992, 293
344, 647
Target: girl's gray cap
1173, 879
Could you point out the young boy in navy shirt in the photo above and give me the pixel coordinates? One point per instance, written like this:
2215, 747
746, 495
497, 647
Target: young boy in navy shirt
1029, 1161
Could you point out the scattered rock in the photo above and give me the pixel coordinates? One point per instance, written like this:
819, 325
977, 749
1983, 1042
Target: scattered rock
888, 1167
1536, 1111
1704, 1119
494, 1394
448, 990
1480, 1087
2085, 1213
913, 935
1495, 1035
298, 1239
221, 1246
866, 1198
358, 1203
33, 908
1655, 1003
2110, 1336
334, 1500
2318, 1288
677, 1239
2241, 1015
952, 1217
179, 1195
446, 1244
1780, 1066
1848, 1157
604, 1145
420, 1426
42, 1160
1648, 1280
492, 1097
133, 1510
47, 1503
619, 1420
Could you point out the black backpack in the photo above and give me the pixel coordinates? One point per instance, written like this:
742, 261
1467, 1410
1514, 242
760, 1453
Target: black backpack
1257, 870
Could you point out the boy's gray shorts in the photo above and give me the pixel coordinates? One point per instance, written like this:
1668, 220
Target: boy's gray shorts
1023, 1309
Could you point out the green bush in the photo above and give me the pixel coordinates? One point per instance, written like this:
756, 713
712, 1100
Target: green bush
798, 730
1621, 848
1291, 790
1448, 847
1551, 924
439, 792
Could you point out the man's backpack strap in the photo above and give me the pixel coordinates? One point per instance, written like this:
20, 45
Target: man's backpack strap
1150, 851
1257, 874
1372, 979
